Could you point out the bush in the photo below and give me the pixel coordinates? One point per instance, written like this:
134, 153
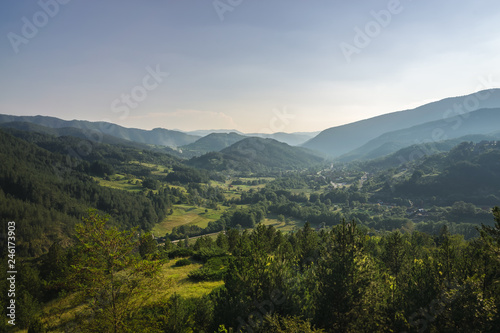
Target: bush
205, 254
180, 253
213, 270
183, 262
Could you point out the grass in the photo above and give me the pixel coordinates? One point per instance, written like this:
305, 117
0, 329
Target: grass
119, 182
285, 227
156, 169
184, 214
181, 283
60, 313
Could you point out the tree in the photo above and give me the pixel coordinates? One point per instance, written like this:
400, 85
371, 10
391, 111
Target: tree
344, 275
112, 280
393, 257
147, 246
150, 183
490, 236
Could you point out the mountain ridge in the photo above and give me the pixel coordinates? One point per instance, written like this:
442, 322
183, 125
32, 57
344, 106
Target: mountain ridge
157, 136
339, 140
479, 122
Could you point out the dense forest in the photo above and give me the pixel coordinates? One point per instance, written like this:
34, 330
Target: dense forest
263, 238
340, 280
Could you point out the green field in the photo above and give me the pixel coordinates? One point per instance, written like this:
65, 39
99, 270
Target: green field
184, 214
288, 226
181, 283
120, 182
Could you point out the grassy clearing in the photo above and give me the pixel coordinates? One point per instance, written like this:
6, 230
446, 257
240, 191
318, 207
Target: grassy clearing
155, 168
181, 283
184, 214
285, 227
120, 182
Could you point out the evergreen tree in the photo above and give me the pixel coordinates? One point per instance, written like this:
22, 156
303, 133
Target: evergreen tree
108, 274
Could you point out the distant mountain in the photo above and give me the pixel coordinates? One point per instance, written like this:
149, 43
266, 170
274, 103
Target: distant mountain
481, 122
212, 142
340, 140
157, 136
85, 134
292, 139
207, 132
256, 155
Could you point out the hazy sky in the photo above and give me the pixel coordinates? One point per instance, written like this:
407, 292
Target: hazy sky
250, 65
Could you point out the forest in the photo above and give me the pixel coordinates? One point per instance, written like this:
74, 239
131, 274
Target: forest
116, 238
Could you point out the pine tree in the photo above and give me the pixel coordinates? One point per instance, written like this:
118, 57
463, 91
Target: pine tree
112, 280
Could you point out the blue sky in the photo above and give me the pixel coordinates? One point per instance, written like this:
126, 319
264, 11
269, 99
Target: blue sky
250, 65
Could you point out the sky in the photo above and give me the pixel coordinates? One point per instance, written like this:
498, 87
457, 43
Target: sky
250, 65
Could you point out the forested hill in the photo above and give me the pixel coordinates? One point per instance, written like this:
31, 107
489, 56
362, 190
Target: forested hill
157, 136
212, 142
257, 155
86, 134
469, 172
47, 192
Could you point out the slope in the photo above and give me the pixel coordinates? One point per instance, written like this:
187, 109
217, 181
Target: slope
480, 122
469, 172
212, 142
257, 155
46, 192
340, 140
157, 136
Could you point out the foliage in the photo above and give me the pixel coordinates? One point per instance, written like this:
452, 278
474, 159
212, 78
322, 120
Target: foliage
108, 275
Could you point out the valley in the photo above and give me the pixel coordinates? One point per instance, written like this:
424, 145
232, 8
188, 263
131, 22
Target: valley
208, 228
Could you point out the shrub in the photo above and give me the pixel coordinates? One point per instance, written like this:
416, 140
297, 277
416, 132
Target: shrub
183, 262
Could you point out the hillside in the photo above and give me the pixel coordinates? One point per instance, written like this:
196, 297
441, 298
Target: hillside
47, 186
212, 142
416, 152
469, 172
257, 154
480, 122
157, 136
340, 140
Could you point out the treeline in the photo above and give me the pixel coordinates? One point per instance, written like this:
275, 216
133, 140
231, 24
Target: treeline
250, 182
